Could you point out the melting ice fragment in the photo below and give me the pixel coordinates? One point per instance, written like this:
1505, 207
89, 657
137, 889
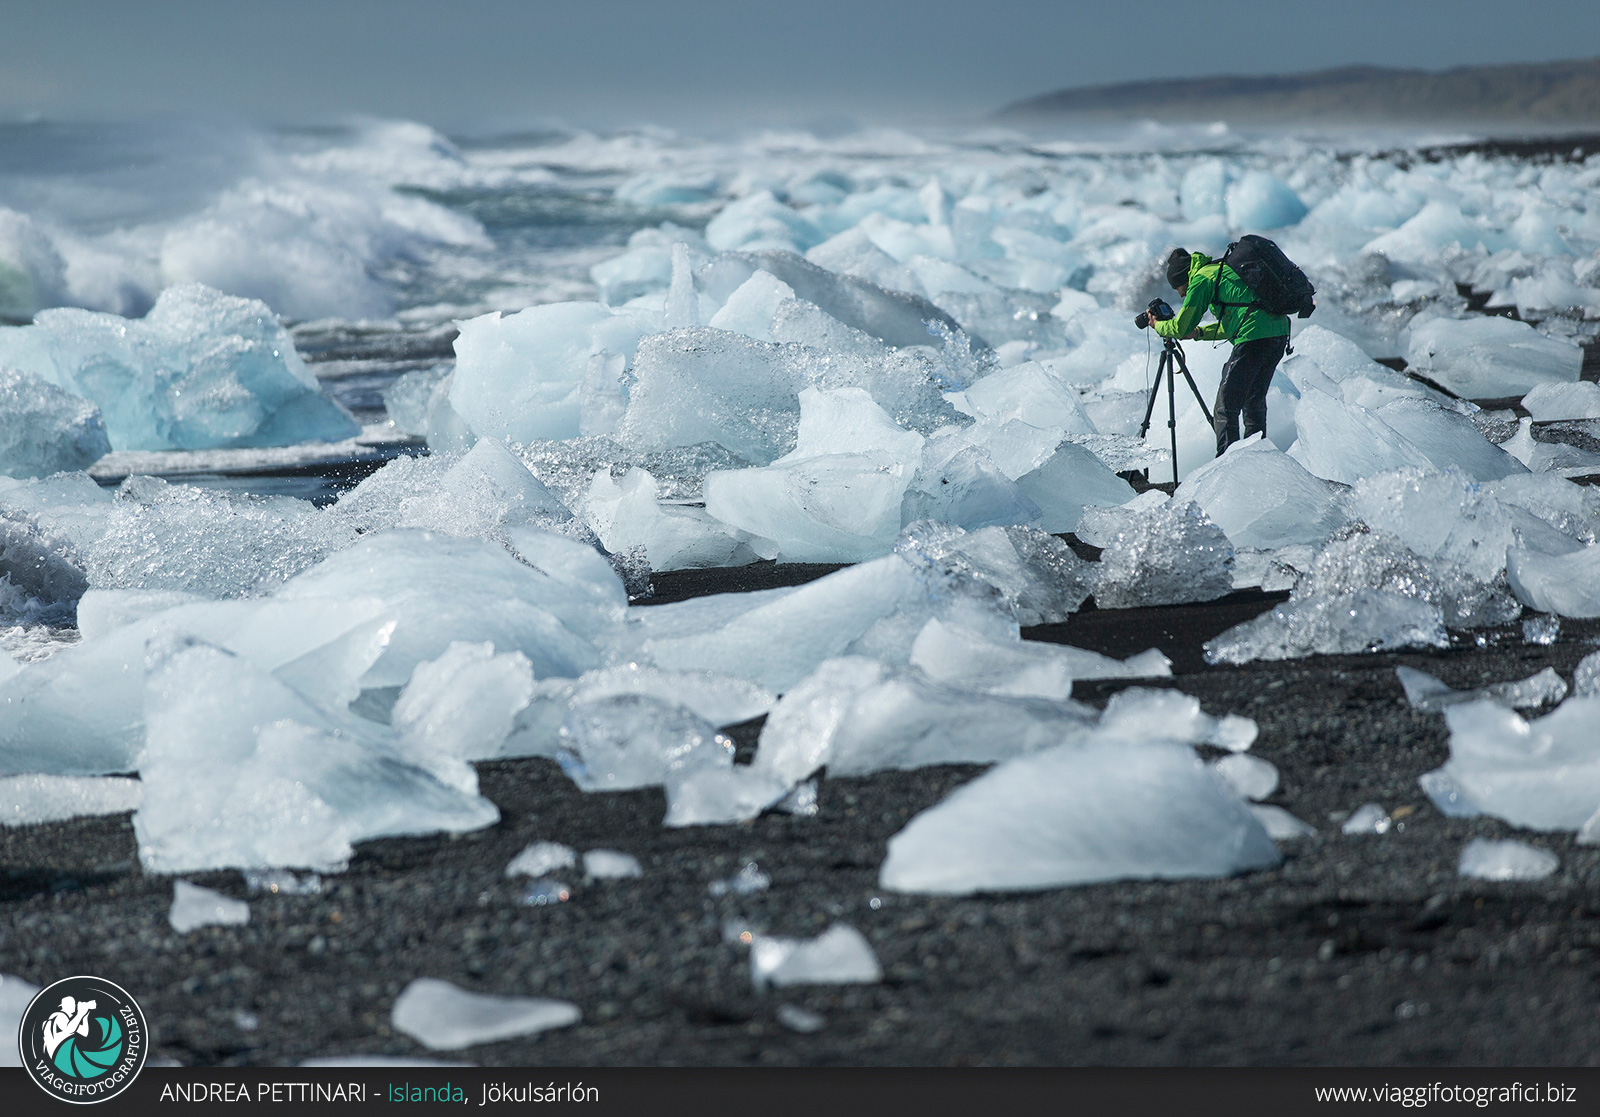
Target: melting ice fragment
1431, 696
1363, 621
841, 955
1262, 498
464, 703
1489, 357
1506, 860
445, 1017
44, 430
1280, 825
1542, 774
1586, 676
1170, 556
1447, 794
1250, 776
801, 1020
193, 907
746, 882
1541, 630
26, 800
635, 740
1041, 579
540, 859
1369, 818
1076, 815
965, 658
1567, 585
1554, 401
610, 864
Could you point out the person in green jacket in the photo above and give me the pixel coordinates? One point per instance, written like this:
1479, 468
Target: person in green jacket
1259, 339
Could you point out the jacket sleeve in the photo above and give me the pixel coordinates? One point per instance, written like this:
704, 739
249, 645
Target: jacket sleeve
1213, 331
1195, 301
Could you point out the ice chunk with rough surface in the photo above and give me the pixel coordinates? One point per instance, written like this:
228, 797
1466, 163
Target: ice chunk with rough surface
1375, 560
445, 1017
841, 955
630, 516
1447, 795
1568, 585
464, 703
27, 800
1068, 481
1506, 860
200, 370
1542, 774
1040, 578
240, 771
1344, 624
1077, 815
1345, 442
1250, 776
1438, 515
1431, 696
967, 659
1262, 498
635, 740
750, 308
1449, 439
194, 907
1547, 402
541, 859
44, 430
1489, 357
1171, 556
520, 377
1586, 676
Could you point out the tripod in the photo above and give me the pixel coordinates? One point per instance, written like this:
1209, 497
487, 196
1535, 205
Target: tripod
1172, 354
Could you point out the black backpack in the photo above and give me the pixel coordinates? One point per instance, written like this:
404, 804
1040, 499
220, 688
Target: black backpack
1278, 285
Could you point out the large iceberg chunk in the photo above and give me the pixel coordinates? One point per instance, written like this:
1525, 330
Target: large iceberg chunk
1037, 575
1567, 585
200, 370
1171, 555
44, 430
1262, 498
1076, 815
1375, 560
1490, 357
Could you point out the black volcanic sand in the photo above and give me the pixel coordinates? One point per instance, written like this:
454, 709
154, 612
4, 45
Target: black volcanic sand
1357, 950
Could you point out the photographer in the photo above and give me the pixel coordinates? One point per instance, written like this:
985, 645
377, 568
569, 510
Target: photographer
1259, 338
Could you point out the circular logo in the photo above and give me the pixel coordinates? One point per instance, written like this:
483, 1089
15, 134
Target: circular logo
83, 1040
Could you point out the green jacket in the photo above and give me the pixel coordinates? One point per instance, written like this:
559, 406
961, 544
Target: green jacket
1236, 323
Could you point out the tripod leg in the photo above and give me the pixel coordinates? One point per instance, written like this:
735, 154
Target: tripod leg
1150, 404
1172, 420
1195, 388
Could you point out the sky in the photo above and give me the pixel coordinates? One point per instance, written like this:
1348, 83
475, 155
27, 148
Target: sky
487, 64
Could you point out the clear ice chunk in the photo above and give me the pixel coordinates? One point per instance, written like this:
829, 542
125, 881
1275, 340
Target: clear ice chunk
445, 1017
1038, 575
28, 800
1489, 357
1447, 795
1345, 624
627, 741
1262, 498
1355, 560
841, 955
1250, 776
463, 704
1542, 774
1170, 556
1586, 676
44, 430
746, 882
1369, 818
1567, 585
541, 859
1553, 401
1484, 859
1431, 696
1541, 630
966, 659
629, 517
610, 864
1439, 515
194, 907
1280, 825
1078, 815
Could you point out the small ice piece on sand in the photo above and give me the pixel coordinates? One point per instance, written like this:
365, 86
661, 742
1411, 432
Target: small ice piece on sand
444, 1017
541, 859
282, 882
1429, 695
376, 1061
194, 907
746, 882
1586, 676
1542, 774
26, 800
1541, 630
1250, 776
1447, 795
1347, 624
15, 996
1369, 818
801, 1020
1280, 825
610, 864
1507, 860
841, 955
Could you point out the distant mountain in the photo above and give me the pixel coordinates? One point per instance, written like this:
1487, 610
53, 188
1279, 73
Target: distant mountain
1540, 94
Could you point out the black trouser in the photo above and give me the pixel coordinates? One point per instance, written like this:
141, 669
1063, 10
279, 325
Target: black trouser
1245, 380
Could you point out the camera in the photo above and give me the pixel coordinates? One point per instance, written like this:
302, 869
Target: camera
1158, 311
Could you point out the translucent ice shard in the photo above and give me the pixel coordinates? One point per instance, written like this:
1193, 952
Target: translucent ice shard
1172, 555
1439, 515
1369, 818
1541, 630
1262, 498
1490, 357
444, 1017
1586, 676
967, 659
630, 516
44, 430
464, 703
1506, 860
633, 740
841, 955
610, 864
1560, 400
1542, 774
541, 859
1567, 585
1250, 776
1280, 825
1356, 560
26, 800
1038, 575
194, 907
1076, 815
1363, 621
1429, 695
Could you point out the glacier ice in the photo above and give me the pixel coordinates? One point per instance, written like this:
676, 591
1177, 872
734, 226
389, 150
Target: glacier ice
751, 307
1506, 860
1250, 776
194, 907
1431, 696
1356, 560
1567, 585
1542, 774
1039, 577
841, 955
445, 1017
541, 859
26, 800
967, 659
201, 369
1563, 400
1280, 825
1543, 631
1369, 818
610, 864
1438, 515
1586, 676
45, 430
1078, 815
1339, 624
629, 516
634, 740
463, 704
1172, 555
1262, 498
1490, 357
